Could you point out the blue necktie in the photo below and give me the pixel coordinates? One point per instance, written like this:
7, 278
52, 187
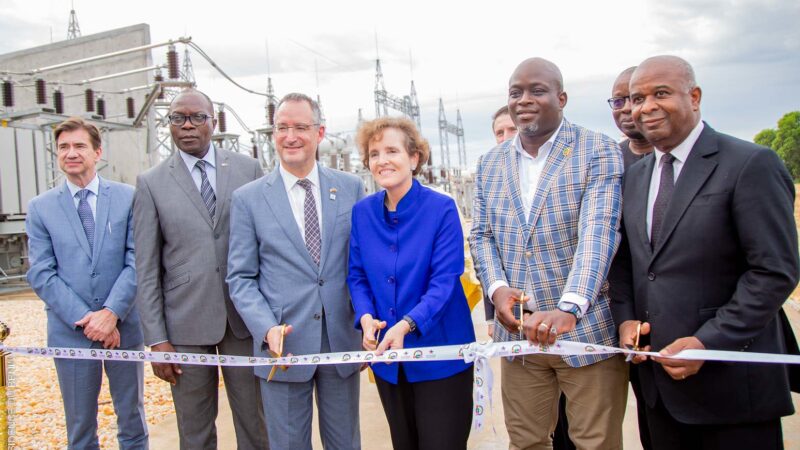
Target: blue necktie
85, 213
205, 190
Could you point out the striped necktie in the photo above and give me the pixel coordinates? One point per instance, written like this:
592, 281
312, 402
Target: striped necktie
85, 214
311, 220
205, 190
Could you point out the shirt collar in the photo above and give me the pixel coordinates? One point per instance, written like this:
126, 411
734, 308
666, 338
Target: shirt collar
544, 149
290, 180
93, 186
191, 160
681, 152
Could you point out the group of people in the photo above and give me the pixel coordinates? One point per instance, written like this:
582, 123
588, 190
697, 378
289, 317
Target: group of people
701, 254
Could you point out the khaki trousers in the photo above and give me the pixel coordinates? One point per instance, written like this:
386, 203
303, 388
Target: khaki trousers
596, 399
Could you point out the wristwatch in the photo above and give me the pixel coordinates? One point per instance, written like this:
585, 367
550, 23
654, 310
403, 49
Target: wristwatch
411, 323
571, 308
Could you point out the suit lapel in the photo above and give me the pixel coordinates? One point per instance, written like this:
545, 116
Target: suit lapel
636, 200
178, 170
71, 213
103, 205
223, 183
511, 169
693, 176
329, 211
559, 152
278, 201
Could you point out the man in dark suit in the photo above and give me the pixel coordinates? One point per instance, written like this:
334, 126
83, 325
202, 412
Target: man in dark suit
710, 256
181, 227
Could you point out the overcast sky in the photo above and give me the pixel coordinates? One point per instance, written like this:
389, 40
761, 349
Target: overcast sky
746, 54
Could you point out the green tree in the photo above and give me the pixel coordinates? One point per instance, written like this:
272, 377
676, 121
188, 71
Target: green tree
785, 140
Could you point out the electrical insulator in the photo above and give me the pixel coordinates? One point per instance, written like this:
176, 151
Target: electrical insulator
41, 92
159, 78
271, 114
172, 63
131, 108
8, 93
255, 151
58, 101
101, 107
89, 94
221, 122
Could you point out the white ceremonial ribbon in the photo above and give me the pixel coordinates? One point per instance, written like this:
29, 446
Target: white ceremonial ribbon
479, 353
476, 352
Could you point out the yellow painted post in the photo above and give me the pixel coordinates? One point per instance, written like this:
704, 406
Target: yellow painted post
4, 383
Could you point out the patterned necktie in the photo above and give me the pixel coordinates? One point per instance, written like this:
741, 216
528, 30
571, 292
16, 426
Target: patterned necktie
313, 240
665, 188
85, 213
205, 190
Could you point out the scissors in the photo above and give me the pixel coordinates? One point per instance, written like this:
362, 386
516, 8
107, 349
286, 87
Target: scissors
278, 354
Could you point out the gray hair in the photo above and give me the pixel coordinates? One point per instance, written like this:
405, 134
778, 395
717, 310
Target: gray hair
298, 97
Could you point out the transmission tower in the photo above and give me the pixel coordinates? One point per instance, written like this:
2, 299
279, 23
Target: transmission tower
446, 128
73, 30
187, 70
384, 101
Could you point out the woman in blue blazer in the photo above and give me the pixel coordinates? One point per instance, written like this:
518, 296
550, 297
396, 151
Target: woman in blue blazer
406, 257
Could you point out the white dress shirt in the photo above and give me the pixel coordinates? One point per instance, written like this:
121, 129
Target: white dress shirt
211, 167
93, 187
297, 196
681, 152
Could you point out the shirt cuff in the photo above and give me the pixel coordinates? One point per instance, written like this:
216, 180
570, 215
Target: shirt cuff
575, 299
495, 286
156, 343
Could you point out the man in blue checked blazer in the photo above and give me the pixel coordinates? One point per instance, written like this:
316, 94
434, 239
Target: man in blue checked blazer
546, 220
80, 236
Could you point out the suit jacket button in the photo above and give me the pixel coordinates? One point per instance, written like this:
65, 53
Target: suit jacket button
391, 311
651, 276
528, 254
216, 235
390, 280
316, 316
217, 269
392, 248
321, 282
94, 274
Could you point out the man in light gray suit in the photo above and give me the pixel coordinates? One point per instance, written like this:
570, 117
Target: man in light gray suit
287, 266
181, 227
81, 252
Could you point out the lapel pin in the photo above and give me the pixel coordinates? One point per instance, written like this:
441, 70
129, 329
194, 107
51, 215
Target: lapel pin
332, 195
567, 151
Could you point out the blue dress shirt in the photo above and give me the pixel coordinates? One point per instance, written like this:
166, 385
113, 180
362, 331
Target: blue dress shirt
408, 262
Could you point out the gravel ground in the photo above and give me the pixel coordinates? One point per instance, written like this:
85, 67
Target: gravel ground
39, 414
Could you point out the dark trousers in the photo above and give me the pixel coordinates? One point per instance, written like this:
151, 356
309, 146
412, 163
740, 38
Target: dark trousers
641, 408
666, 433
434, 415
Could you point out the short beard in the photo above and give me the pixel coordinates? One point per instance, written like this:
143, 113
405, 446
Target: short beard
529, 129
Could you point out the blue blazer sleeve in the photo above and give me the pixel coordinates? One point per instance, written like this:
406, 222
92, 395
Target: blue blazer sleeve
447, 265
43, 276
360, 293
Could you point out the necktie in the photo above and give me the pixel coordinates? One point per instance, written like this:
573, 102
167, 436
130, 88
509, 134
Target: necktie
85, 214
665, 187
205, 190
313, 240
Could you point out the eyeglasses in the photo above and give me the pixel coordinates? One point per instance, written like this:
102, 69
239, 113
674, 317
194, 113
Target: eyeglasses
196, 119
299, 128
618, 102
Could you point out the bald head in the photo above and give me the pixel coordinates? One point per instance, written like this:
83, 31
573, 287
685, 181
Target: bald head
625, 76
674, 64
543, 66
665, 100
192, 92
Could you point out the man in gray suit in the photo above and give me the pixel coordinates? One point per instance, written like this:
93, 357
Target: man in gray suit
81, 252
287, 266
181, 227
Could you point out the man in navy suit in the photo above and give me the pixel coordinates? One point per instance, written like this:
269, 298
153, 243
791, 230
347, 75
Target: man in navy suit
709, 257
80, 237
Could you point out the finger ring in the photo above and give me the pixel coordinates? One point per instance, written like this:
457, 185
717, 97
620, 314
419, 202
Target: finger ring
553, 330
544, 325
